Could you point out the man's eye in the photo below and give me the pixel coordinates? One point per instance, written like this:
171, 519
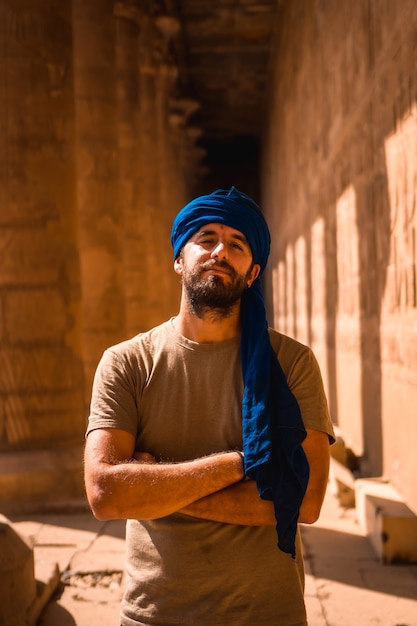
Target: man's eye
237, 246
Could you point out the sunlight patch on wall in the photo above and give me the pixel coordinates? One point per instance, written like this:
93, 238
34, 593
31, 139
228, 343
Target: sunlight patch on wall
279, 297
318, 296
347, 254
348, 342
300, 290
289, 282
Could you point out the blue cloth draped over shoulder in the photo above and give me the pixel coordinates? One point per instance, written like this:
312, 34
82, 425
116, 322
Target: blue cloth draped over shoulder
272, 426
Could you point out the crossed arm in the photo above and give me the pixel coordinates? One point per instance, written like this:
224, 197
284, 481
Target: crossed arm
120, 485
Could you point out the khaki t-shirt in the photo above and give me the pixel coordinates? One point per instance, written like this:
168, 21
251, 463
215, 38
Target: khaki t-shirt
182, 400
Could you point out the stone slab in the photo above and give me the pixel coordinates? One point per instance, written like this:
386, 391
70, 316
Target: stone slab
388, 522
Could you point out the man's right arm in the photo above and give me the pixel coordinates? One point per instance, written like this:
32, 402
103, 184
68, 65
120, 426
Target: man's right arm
120, 487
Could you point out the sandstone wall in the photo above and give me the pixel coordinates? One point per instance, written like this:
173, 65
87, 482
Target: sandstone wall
96, 157
340, 194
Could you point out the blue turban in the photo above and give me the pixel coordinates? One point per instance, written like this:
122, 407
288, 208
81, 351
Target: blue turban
272, 425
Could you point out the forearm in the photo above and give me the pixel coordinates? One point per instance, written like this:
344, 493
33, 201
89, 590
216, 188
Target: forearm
237, 504
132, 490
241, 504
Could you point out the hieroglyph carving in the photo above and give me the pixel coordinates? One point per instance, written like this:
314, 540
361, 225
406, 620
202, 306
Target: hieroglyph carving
401, 164
44, 38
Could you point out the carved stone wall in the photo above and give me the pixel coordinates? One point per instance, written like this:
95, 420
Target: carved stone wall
41, 358
340, 192
99, 211
89, 185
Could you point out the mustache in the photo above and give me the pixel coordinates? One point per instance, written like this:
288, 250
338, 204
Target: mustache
208, 265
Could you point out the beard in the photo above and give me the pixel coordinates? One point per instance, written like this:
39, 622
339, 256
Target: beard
214, 295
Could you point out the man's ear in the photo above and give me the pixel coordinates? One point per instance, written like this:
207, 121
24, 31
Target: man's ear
256, 270
178, 265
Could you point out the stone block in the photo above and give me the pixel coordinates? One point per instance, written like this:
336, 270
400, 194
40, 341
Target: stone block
35, 315
387, 521
26, 583
29, 256
28, 369
41, 480
41, 420
17, 576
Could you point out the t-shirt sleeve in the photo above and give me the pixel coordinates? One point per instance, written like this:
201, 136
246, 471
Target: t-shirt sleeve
113, 399
305, 381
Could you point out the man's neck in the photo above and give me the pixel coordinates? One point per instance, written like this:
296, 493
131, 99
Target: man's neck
211, 327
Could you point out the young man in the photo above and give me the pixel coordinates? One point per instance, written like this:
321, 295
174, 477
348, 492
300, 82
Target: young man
210, 434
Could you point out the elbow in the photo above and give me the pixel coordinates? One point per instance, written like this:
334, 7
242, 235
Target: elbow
309, 514
101, 506
308, 519
101, 513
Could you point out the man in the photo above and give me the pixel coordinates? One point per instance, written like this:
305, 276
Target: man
193, 421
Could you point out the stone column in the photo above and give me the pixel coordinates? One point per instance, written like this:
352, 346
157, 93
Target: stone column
128, 18
154, 158
185, 137
148, 168
195, 156
41, 381
100, 219
166, 77
165, 80
177, 122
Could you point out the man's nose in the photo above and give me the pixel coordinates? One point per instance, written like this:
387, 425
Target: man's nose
219, 250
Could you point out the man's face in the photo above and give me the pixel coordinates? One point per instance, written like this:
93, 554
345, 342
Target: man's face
216, 268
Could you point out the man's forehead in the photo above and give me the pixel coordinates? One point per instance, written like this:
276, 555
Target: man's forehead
216, 227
